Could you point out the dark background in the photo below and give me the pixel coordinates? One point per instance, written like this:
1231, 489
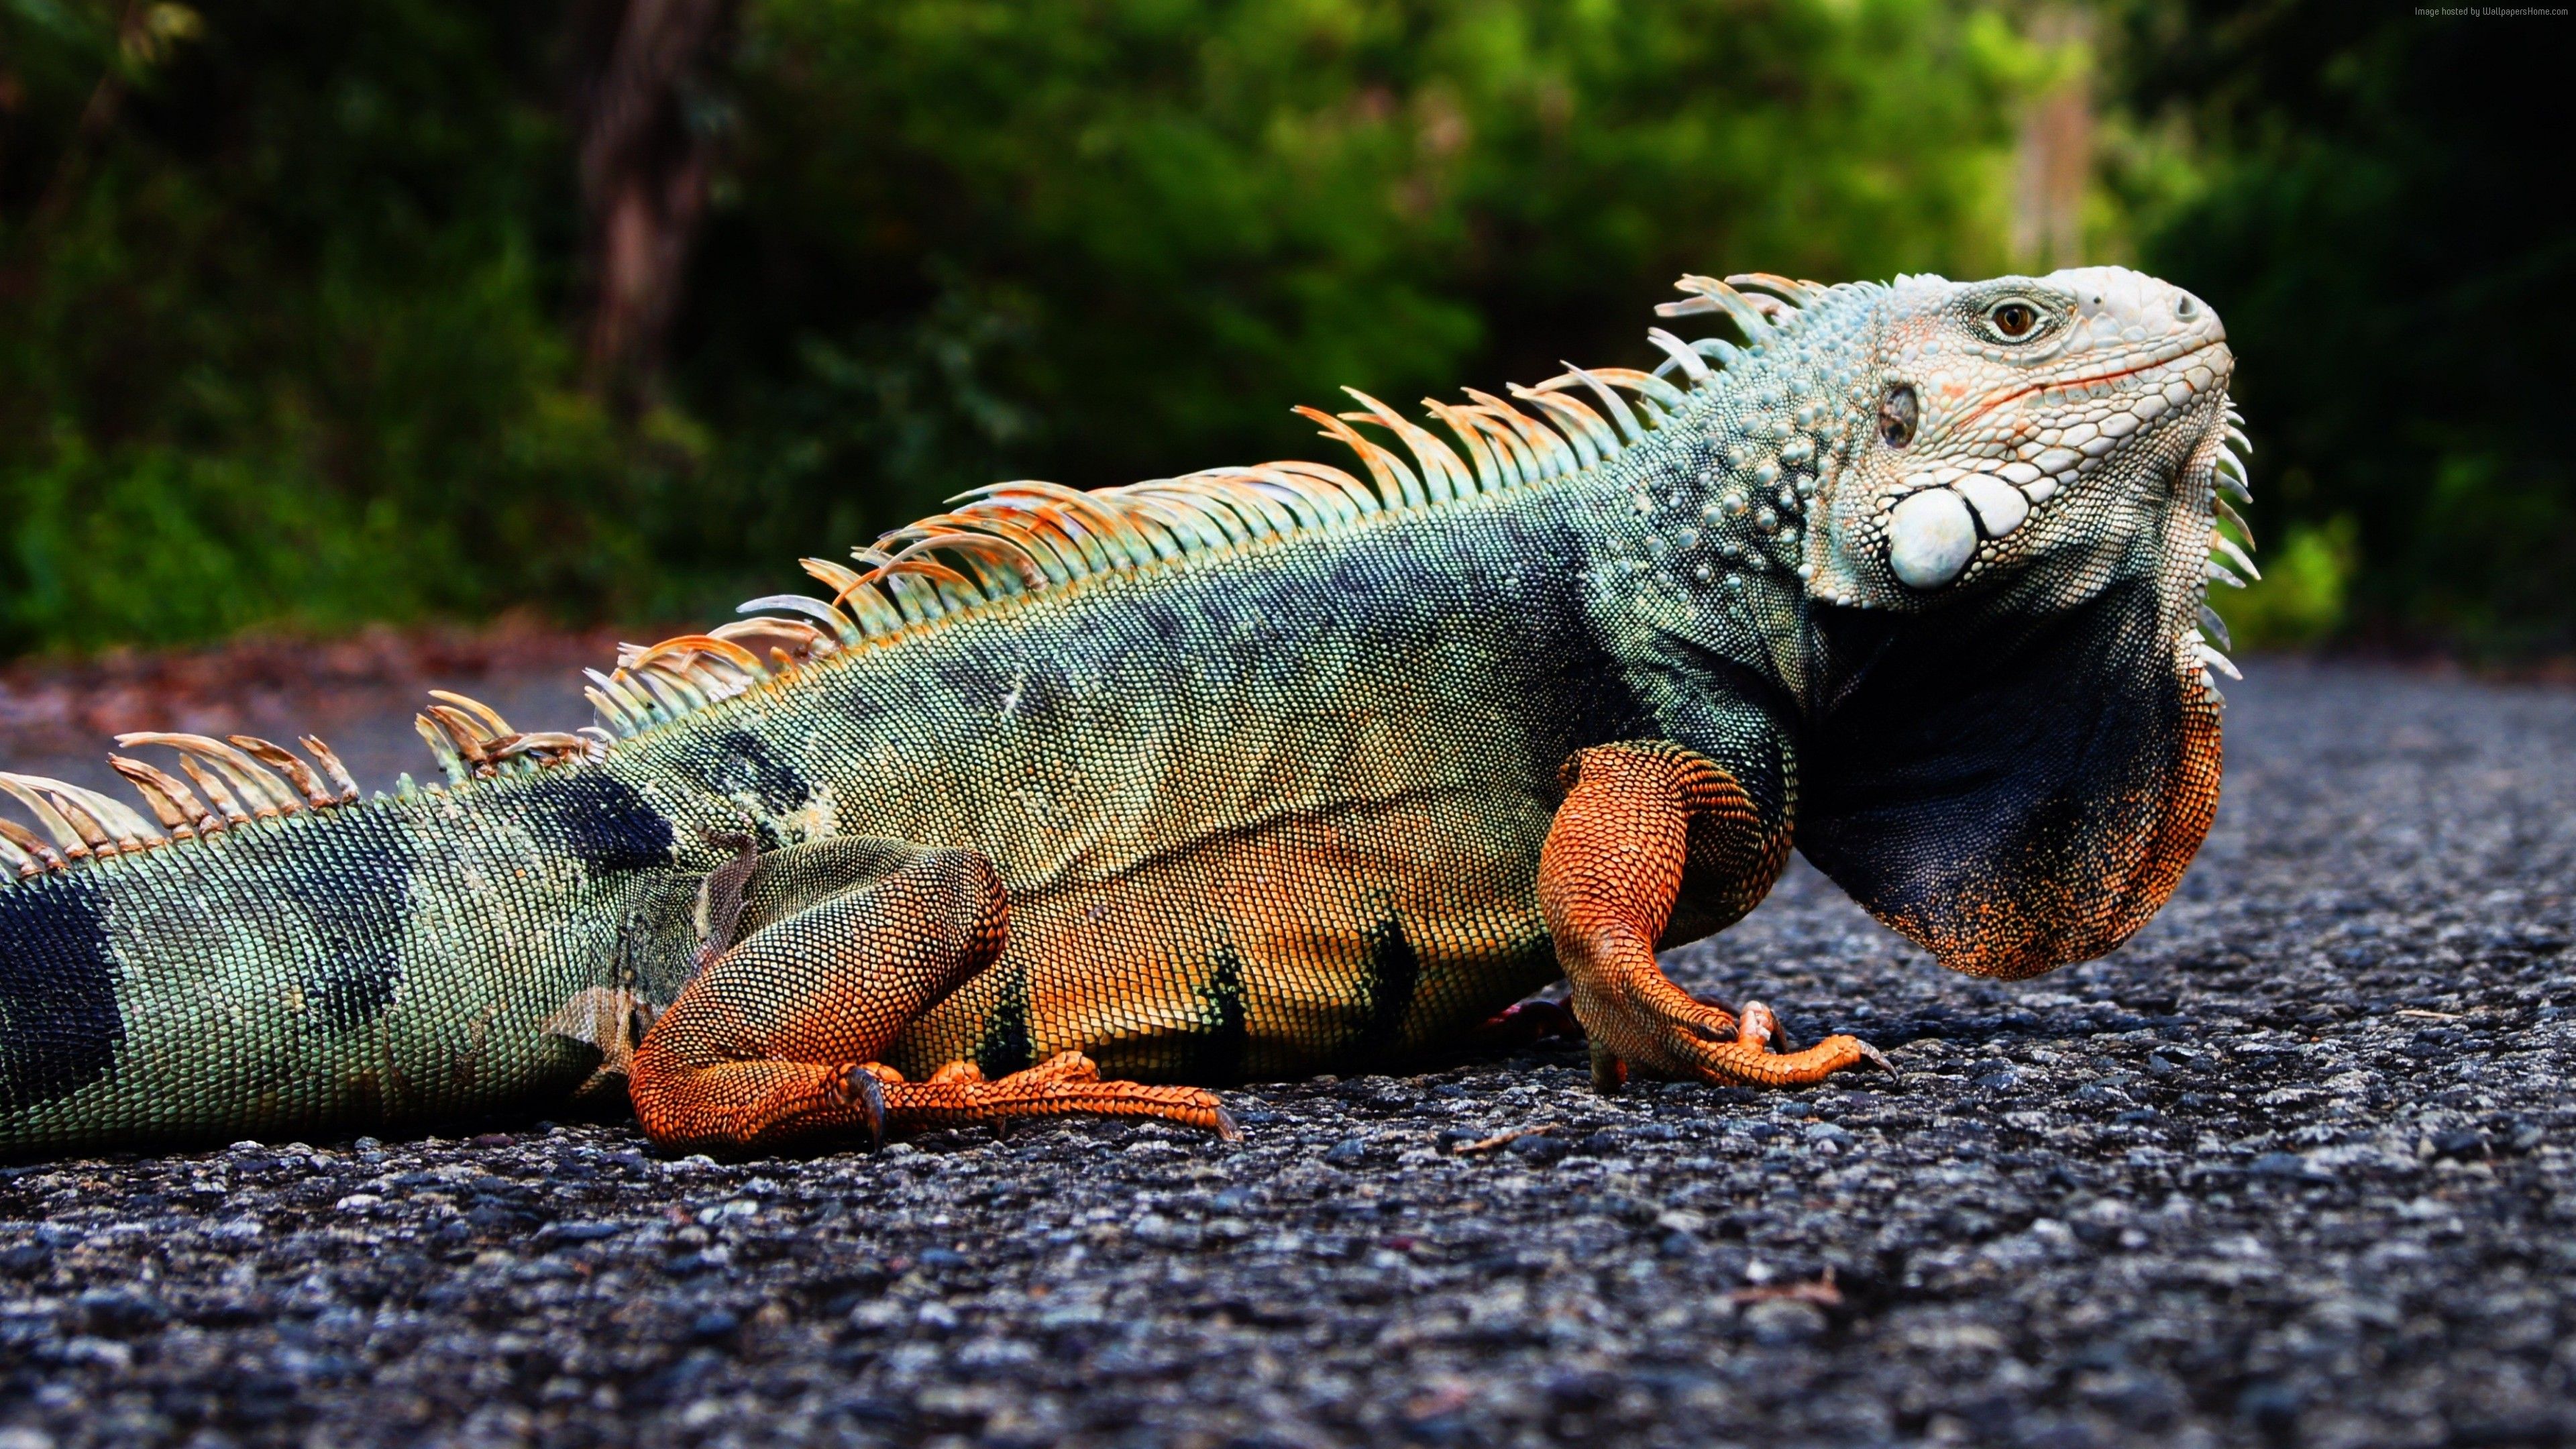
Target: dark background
317, 316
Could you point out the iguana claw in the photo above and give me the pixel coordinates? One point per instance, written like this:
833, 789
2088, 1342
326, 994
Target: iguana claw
1879, 1059
868, 1095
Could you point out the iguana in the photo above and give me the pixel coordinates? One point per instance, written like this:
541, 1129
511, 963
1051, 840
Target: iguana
1068, 802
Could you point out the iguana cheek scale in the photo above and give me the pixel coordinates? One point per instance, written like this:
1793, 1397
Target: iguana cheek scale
1087, 802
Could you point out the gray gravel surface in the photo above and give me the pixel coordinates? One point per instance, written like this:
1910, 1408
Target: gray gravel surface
2293, 1167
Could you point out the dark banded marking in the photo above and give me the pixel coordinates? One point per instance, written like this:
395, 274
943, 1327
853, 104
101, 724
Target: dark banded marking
351, 904
600, 822
59, 1025
736, 763
1387, 983
1004, 1046
1216, 1052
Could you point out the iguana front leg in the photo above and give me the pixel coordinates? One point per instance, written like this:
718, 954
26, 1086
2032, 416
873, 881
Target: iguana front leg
843, 943
1636, 818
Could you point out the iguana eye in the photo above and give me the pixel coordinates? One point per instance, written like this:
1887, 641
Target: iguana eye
1896, 416
2014, 320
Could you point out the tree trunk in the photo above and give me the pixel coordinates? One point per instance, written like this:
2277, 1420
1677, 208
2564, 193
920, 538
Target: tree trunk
2056, 153
645, 163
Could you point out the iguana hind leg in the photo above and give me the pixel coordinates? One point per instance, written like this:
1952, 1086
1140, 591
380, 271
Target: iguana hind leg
843, 943
1635, 819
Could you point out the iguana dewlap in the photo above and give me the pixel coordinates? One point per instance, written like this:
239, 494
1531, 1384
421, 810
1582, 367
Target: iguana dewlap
1085, 802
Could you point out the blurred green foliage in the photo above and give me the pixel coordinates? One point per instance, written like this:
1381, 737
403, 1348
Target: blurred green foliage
2379, 214
279, 332
289, 296
1097, 242
287, 336
2304, 593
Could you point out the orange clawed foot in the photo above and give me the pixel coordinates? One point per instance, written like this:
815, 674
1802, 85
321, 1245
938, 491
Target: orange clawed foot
1683, 1038
1704, 1041
1067, 1084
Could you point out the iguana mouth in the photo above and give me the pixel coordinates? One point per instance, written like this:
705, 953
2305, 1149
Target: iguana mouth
2070, 384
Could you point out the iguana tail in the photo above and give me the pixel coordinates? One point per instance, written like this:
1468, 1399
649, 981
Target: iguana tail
277, 956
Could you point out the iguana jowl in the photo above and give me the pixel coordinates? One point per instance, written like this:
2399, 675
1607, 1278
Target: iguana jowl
1248, 773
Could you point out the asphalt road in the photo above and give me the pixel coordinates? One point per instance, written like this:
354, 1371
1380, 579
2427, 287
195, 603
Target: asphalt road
2297, 1166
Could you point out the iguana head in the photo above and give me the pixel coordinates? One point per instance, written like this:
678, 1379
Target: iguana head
2023, 419
2014, 748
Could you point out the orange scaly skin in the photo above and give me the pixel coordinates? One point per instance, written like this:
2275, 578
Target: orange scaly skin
1089, 802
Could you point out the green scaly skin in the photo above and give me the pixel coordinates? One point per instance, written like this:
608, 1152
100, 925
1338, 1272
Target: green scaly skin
1268, 796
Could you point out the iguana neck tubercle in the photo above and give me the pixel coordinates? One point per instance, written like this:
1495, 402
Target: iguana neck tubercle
1263, 760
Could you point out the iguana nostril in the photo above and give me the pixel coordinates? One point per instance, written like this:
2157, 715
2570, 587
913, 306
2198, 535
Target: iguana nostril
2185, 307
